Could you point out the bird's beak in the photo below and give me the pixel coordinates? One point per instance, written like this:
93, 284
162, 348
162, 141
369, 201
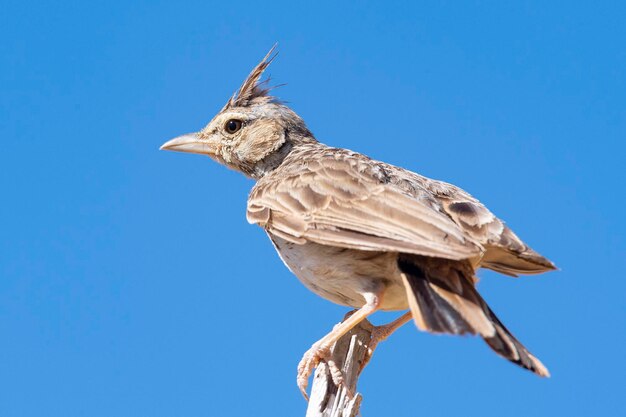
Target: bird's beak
191, 143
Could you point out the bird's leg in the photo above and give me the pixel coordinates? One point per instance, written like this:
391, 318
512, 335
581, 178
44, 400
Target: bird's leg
381, 333
321, 349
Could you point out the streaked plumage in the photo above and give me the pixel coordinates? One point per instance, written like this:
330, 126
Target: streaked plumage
364, 233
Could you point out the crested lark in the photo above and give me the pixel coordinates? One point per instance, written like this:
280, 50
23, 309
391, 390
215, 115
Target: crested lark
363, 233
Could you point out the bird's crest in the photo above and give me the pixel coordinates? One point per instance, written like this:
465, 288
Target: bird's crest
252, 88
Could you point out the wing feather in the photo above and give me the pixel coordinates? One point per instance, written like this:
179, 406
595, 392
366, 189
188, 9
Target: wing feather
505, 252
345, 202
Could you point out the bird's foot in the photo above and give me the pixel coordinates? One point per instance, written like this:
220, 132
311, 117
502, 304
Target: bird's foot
317, 353
380, 333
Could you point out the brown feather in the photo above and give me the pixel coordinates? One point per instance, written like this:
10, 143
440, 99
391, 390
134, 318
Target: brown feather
505, 252
358, 212
251, 88
442, 299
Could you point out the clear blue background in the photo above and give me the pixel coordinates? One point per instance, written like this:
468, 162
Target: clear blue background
131, 284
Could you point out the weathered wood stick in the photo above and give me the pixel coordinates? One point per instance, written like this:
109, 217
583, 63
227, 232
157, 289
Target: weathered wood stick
349, 353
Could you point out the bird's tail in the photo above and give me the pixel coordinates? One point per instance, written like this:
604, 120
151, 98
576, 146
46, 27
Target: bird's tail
443, 299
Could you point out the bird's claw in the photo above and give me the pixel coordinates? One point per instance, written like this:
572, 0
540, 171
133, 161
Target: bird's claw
378, 335
316, 354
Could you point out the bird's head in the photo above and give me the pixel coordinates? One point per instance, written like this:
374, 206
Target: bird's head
252, 133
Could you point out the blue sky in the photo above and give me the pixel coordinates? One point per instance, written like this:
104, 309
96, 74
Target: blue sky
131, 284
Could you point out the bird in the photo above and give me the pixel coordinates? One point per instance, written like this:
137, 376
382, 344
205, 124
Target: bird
364, 233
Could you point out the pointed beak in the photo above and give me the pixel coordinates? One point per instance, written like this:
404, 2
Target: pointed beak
191, 143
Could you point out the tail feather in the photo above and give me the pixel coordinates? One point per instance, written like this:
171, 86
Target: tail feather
439, 305
443, 299
507, 346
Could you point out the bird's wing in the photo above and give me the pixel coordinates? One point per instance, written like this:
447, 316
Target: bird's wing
505, 252
346, 200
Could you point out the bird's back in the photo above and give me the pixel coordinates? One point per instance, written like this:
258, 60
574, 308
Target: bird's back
353, 176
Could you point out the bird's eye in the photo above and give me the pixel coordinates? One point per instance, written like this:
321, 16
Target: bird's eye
233, 125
